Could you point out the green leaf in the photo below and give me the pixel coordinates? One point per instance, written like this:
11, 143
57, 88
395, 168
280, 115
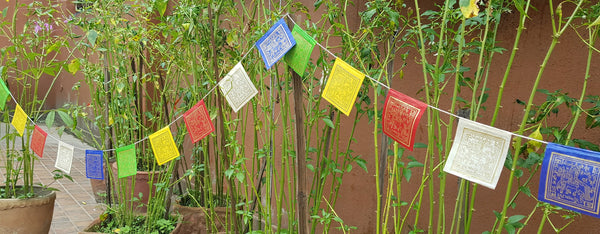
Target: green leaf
596, 22
407, 174
92, 35
73, 66
328, 122
509, 228
362, 164
515, 218
414, 164
50, 119
420, 145
66, 119
161, 6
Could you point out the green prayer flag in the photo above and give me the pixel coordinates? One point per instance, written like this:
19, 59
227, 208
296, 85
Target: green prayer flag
4, 93
126, 163
297, 58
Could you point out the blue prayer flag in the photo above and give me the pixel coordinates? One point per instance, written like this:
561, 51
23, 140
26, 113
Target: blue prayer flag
570, 178
275, 43
94, 164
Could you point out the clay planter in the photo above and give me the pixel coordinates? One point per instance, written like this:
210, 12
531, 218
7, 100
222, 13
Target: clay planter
141, 186
33, 215
96, 222
195, 220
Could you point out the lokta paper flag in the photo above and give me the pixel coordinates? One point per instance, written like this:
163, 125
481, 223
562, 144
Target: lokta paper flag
163, 146
4, 93
64, 157
275, 43
478, 153
38, 141
570, 178
19, 120
342, 86
297, 58
126, 163
237, 87
94, 164
401, 116
198, 123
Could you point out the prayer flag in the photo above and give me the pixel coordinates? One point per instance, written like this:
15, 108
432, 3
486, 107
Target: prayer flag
38, 141
342, 86
19, 120
126, 162
198, 123
163, 146
94, 164
64, 157
570, 178
275, 43
4, 94
237, 87
401, 116
478, 153
297, 58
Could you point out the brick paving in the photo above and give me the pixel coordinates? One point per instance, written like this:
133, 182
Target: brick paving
75, 206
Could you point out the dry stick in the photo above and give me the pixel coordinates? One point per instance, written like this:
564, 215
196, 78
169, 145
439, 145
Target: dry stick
300, 155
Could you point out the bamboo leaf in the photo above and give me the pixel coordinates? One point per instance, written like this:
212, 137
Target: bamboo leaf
50, 119
73, 66
328, 122
92, 35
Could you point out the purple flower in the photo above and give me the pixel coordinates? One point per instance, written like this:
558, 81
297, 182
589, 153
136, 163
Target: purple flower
37, 28
68, 19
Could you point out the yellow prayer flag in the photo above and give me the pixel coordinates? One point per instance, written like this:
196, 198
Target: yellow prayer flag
342, 86
163, 146
19, 120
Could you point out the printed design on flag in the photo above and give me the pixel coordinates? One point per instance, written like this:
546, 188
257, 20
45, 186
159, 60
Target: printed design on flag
19, 120
38, 141
4, 93
342, 86
478, 153
64, 157
163, 146
197, 121
401, 115
275, 43
94, 168
237, 87
126, 163
297, 58
570, 181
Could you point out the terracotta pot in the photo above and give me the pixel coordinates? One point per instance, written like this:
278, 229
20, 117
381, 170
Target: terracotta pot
195, 220
33, 215
96, 222
141, 186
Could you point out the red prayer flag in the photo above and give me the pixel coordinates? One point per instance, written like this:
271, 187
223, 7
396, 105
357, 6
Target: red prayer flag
38, 141
198, 123
401, 116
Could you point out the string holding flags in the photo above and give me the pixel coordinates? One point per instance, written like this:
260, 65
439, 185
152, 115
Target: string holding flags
401, 116
275, 43
237, 87
342, 86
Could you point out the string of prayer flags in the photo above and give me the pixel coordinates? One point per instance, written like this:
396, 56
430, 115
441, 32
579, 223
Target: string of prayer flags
198, 123
163, 145
237, 87
275, 43
19, 120
94, 164
478, 153
297, 58
4, 94
401, 116
126, 163
64, 157
342, 86
38, 141
570, 178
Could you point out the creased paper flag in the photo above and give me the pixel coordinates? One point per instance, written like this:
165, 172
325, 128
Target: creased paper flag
237, 87
342, 86
94, 164
469, 8
570, 178
38, 141
478, 153
126, 163
19, 120
64, 157
297, 58
4, 94
198, 123
163, 146
275, 43
401, 116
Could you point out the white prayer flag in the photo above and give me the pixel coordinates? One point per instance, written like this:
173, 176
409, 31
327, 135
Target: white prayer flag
64, 157
478, 153
237, 87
